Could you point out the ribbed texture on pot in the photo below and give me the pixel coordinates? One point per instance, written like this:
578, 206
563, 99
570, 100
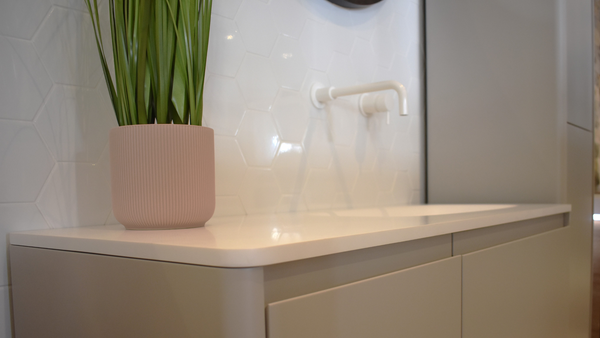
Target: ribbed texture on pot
162, 175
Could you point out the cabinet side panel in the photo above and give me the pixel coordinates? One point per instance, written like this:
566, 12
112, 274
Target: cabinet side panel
60, 294
580, 196
518, 289
419, 302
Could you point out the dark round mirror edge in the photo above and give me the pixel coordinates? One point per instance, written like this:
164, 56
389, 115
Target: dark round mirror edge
354, 3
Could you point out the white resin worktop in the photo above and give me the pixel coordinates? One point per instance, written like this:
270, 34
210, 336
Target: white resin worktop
258, 240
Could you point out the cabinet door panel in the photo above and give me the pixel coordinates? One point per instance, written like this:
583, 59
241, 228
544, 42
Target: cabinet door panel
423, 301
518, 289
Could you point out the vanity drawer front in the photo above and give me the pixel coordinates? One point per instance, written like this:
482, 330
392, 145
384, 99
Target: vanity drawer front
423, 301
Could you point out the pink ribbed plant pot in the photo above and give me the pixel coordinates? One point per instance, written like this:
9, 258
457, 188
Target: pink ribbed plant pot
162, 175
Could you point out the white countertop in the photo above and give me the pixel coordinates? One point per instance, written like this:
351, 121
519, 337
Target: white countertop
258, 240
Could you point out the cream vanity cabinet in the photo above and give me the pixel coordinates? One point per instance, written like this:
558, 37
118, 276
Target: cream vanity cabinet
505, 280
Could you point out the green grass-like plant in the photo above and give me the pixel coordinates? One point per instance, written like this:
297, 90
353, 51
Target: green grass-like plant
159, 51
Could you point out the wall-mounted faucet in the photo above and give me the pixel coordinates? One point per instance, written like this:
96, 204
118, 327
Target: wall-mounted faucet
368, 103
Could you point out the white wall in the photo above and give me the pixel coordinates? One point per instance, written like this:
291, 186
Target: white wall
275, 153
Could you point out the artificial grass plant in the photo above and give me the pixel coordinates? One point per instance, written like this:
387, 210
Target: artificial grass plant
159, 50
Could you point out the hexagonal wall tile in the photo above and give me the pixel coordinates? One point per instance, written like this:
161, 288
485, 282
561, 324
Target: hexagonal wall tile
316, 45
385, 170
400, 71
258, 138
400, 151
230, 166
291, 115
289, 16
341, 71
259, 192
226, 8
346, 167
257, 27
67, 47
257, 82
226, 49
365, 191
401, 35
365, 145
229, 206
25, 82
75, 123
342, 34
321, 188
24, 162
288, 63
343, 117
291, 168
363, 59
223, 105
317, 143
21, 18
402, 190
383, 46
291, 203
76, 194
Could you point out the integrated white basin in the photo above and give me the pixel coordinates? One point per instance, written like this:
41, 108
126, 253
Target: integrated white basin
421, 210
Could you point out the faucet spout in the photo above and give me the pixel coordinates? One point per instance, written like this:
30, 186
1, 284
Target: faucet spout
320, 94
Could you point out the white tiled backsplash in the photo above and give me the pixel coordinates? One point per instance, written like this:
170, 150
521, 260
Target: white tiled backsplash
275, 152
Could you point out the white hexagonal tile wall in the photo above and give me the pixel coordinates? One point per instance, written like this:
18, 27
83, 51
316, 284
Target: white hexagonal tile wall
400, 71
414, 170
289, 16
291, 115
230, 166
228, 206
346, 167
21, 18
365, 146
258, 138
67, 47
341, 71
317, 144
260, 193
257, 27
76, 194
401, 40
25, 162
291, 203
288, 63
321, 188
257, 82
25, 82
226, 49
316, 45
365, 191
226, 8
223, 105
291, 168
341, 34
343, 118
400, 151
383, 44
402, 190
364, 60
75, 123
385, 170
